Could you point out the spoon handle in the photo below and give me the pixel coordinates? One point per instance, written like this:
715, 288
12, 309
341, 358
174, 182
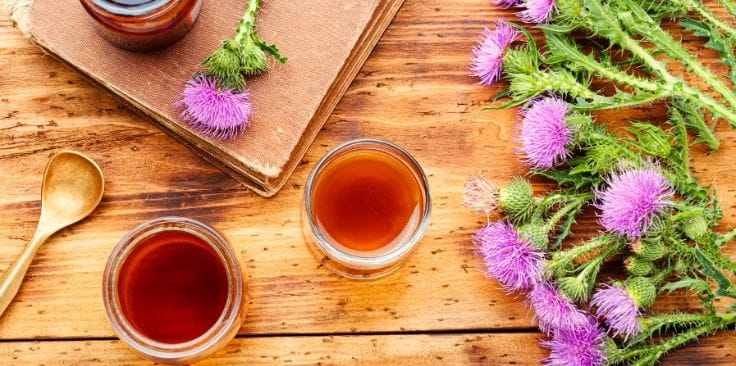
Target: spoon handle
13, 276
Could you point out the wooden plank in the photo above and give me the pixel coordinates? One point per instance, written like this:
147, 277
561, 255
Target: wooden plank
319, 350
414, 90
407, 349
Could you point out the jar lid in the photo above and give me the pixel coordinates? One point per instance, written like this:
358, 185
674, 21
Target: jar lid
130, 8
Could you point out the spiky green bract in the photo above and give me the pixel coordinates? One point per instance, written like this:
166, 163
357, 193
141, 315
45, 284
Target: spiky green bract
252, 59
243, 55
642, 291
636, 266
536, 234
696, 227
224, 64
575, 289
516, 200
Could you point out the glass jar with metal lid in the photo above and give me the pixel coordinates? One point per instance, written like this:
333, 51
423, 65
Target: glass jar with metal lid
141, 25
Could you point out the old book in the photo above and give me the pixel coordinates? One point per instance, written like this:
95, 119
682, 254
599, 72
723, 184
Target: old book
327, 42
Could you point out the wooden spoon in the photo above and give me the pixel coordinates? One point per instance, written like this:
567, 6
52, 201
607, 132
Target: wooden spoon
72, 188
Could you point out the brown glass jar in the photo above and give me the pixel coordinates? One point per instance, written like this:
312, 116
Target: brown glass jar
143, 25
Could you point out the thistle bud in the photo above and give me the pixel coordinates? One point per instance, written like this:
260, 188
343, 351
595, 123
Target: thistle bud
637, 266
252, 59
573, 288
651, 139
536, 234
520, 61
696, 227
517, 200
649, 249
642, 291
225, 65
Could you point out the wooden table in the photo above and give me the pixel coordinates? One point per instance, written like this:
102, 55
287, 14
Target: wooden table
414, 90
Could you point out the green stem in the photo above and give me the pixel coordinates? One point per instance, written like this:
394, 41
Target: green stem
679, 123
576, 202
730, 7
710, 17
655, 352
686, 212
617, 34
593, 266
725, 238
247, 25
558, 45
705, 101
642, 24
563, 258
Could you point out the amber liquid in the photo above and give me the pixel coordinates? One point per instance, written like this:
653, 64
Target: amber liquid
172, 287
366, 202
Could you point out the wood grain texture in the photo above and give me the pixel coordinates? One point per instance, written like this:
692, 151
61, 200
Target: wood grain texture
408, 349
414, 90
459, 349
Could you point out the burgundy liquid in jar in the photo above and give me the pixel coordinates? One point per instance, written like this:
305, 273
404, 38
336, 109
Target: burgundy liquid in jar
142, 25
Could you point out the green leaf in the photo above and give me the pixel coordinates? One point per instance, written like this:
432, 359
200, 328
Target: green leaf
726, 287
270, 49
694, 284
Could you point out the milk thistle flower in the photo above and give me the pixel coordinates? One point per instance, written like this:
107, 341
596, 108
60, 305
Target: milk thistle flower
213, 110
537, 11
516, 199
512, 260
216, 101
544, 133
487, 62
580, 347
554, 311
480, 195
634, 199
619, 306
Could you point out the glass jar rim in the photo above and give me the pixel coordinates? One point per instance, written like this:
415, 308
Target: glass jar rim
133, 10
205, 342
400, 250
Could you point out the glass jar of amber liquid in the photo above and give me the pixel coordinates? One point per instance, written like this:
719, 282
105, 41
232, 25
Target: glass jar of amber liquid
366, 207
173, 290
142, 25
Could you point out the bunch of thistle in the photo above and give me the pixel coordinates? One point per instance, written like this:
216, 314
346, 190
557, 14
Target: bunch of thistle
629, 29
216, 101
657, 223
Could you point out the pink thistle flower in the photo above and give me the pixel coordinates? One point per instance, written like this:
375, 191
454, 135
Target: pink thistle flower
506, 3
537, 11
487, 62
480, 195
544, 134
618, 309
580, 347
554, 311
635, 198
513, 261
213, 110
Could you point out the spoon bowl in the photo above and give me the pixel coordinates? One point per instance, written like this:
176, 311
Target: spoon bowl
73, 185
72, 188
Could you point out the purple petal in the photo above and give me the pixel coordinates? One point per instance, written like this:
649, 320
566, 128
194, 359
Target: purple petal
633, 200
514, 262
544, 134
554, 311
487, 62
215, 111
618, 310
581, 347
537, 11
